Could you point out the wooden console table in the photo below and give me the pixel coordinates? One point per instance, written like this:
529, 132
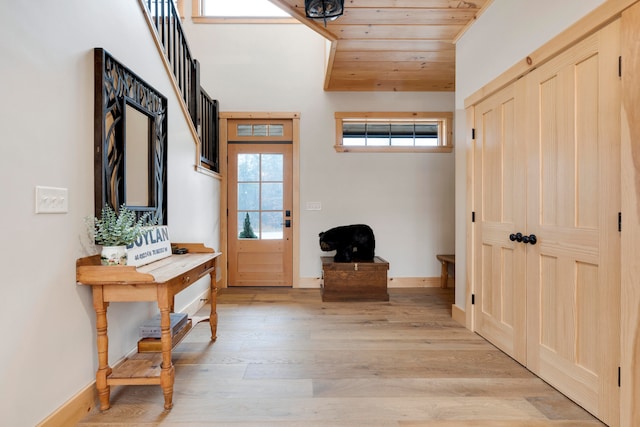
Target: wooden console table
159, 281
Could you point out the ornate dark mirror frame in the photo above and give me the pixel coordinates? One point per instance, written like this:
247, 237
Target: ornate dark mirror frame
115, 87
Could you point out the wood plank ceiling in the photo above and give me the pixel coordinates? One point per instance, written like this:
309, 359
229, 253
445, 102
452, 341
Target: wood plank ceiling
392, 45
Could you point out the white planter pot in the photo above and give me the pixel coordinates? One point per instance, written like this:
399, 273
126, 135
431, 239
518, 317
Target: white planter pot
114, 255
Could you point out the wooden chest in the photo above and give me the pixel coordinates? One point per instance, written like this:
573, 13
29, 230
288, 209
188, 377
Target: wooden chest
354, 281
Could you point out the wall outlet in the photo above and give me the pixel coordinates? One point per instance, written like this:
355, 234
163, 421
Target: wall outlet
52, 200
314, 206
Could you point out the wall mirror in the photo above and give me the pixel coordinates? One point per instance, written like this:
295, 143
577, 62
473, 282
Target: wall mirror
137, 153
130, 138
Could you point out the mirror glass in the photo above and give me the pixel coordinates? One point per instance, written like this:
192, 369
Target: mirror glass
137, 141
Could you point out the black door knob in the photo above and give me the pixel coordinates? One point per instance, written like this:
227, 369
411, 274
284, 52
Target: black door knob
518, 237
515, 237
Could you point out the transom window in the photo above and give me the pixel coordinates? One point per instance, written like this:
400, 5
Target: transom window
260, 130
419, 132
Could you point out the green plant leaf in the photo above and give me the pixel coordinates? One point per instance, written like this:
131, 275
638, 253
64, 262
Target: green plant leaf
121, 228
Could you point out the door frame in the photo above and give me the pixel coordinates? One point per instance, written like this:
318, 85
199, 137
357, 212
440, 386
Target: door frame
224, 117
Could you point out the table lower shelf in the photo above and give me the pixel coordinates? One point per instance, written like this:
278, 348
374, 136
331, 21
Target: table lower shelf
144, 367
141, 368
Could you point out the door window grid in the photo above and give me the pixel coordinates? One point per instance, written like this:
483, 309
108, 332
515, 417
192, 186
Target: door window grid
260, 196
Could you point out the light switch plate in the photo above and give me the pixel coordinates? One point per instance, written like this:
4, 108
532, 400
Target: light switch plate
52, 200
314, 206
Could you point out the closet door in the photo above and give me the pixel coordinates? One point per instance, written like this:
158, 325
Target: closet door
500, 191
573, 272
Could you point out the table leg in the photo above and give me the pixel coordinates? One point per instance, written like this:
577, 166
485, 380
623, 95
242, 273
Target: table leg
213, 316
167, 378
167, 371
444, 275
104, 370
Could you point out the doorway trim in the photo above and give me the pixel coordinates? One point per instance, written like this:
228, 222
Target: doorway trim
224, 117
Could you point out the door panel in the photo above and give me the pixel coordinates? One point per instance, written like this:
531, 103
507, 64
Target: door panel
260, 208
499, 177
574, 198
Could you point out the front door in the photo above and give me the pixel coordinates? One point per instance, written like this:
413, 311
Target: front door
260, 203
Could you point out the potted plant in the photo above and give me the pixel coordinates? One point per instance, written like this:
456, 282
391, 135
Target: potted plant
115, 231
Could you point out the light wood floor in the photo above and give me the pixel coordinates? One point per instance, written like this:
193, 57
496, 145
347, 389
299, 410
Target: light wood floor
285, 358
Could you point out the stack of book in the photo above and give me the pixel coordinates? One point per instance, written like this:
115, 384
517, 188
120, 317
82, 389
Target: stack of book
150, 332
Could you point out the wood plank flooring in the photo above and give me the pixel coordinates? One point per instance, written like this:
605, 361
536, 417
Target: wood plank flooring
285, 358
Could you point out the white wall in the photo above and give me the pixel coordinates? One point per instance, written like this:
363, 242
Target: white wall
406, 198
508, 31
46, 133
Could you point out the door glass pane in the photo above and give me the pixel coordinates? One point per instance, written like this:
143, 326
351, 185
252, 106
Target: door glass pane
245, 130
272, 196
272, 165
248, 225
248, 196
272, 225
260, 195
276, 130
260, 130
248, 167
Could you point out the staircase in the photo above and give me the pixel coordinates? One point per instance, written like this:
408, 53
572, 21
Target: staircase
203, 110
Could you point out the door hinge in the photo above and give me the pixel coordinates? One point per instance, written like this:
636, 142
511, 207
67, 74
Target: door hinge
473, 216
619, 66
619, 221
619, 375
473, 299
473, 133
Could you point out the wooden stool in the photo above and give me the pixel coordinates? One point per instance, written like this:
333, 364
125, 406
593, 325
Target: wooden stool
444, 275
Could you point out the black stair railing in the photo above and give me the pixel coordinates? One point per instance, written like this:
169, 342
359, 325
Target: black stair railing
186, 71
209, 137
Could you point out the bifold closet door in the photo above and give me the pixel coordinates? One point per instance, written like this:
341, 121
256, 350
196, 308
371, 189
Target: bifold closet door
500, 191
573, 272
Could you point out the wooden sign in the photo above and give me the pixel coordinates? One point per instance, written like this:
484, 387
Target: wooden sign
152, 245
